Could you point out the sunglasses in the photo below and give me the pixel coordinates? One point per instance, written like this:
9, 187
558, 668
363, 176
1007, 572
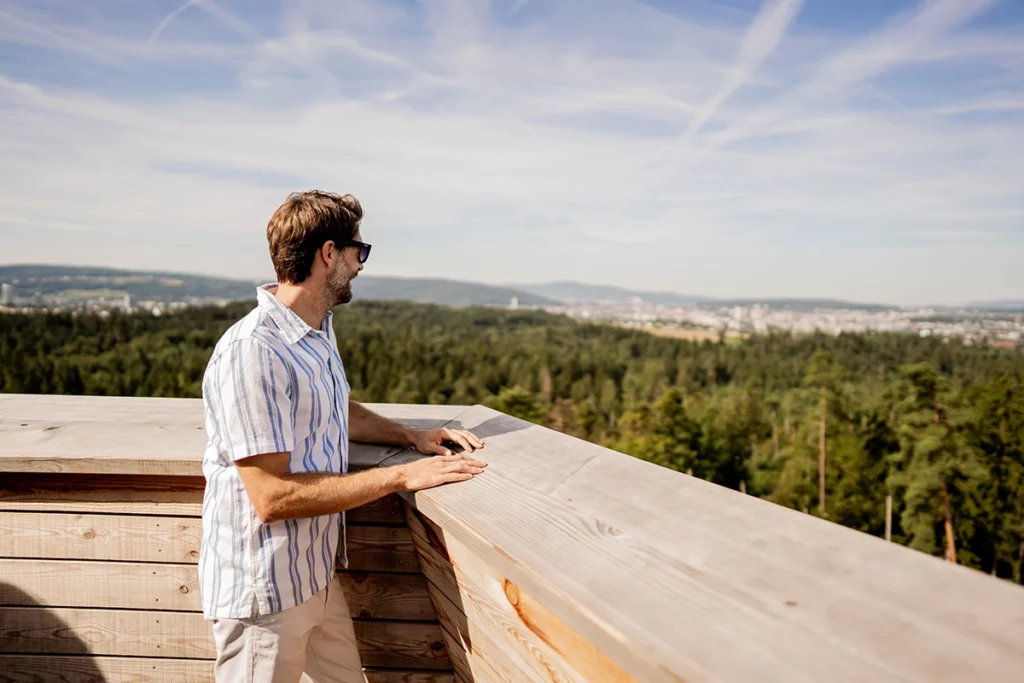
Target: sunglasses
364, 248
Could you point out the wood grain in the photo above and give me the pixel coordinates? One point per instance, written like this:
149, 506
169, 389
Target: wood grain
119, 435
143, 633
381, 548
35, 669
398, 644
406, 676
475, 656
477, 600
102, 494
432, 552
386, 510
100, 537
373, 595
668, 577
121, 585
578, 550
85, 669
134, 633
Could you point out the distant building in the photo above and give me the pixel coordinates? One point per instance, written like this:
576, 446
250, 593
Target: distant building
514, 304
7, 294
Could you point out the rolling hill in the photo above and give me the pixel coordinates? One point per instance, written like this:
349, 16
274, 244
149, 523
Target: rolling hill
78, 281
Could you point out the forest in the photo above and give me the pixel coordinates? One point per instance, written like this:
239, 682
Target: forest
843, 427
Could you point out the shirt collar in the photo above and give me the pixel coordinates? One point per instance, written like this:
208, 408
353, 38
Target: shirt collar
292, 327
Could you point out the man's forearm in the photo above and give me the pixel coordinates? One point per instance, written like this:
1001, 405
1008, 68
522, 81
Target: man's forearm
311, 495
366, 426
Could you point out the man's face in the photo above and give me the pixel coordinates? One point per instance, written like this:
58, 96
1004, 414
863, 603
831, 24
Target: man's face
346, 268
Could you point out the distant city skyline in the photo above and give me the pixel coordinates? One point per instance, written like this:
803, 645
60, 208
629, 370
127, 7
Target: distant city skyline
870, 152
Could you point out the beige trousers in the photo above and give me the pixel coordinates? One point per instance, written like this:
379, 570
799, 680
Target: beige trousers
310, 643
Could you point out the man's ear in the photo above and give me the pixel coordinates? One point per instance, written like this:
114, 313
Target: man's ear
327, 250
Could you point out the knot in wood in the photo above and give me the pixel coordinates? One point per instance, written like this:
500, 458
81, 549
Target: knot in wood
511, 592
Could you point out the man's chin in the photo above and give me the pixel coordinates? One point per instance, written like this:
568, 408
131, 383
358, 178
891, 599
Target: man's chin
344, 297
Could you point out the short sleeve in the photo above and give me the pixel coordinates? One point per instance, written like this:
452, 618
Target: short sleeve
253, 402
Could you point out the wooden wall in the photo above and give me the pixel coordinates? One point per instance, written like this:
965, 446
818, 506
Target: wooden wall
98, 582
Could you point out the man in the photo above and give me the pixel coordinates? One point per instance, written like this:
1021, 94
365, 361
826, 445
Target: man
279, 420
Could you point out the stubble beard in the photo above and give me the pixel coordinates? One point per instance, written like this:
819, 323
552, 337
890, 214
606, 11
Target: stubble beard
340, 288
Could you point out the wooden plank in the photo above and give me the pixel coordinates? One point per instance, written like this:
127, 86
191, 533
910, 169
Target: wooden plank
468, 657
519, 633
34, 669
401, 644
102, 494
100, 537
133, 633
164, 411
406, 676
432, 553
175, 587
381, 549
143, 633
114, 494
386, 510
474, 654
578, 551
103, 435
113, 410
121, 585
516, 622
99, 447
372, 595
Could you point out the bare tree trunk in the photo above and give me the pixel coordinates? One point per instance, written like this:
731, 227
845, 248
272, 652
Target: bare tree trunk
775, 437
1020, 558
743, 487
821, 454
950, 542
888, 517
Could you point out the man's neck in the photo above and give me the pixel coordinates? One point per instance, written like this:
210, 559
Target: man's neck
305, 303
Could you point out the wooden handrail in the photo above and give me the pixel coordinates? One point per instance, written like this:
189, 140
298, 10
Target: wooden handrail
568, 561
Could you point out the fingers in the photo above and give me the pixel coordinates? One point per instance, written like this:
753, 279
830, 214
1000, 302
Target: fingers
471, 466
461, 457
460, 438
436, 449
464, 438
454, 477
471, 437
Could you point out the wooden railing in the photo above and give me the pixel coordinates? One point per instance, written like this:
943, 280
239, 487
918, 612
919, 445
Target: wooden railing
563, 562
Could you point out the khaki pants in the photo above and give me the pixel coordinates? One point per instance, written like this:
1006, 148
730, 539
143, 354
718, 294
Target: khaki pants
310, 643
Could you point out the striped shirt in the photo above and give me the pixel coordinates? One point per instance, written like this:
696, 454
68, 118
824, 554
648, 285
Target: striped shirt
274, 384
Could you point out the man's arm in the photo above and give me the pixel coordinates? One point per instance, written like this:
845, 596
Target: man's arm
277, 494
366, 426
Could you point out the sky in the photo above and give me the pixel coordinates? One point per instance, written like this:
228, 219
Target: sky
869, 150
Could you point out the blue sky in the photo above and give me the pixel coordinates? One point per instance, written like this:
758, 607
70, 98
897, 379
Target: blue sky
869, 150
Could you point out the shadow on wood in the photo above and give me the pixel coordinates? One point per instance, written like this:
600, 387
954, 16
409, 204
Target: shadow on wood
495, 426
443, 587
30, 638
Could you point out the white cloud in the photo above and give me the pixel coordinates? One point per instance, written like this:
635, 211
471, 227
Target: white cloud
543, 149
760, 40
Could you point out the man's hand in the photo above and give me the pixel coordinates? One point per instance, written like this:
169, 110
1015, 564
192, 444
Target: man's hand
431, 441
440, 469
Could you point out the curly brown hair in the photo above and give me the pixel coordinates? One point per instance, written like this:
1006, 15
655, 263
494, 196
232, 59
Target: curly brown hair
301, 226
